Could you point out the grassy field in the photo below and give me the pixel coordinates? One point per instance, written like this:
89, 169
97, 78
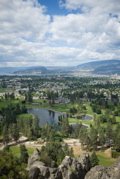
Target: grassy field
3, 90
16, 151
62, 107
56, 107
104, 160
5, 103
89, 109
25, 116
78, 121
118, 119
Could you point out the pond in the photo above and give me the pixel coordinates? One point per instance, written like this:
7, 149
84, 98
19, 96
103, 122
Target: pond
45, 116
87, 117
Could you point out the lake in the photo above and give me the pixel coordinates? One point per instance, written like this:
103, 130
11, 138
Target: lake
45, 116
87, 117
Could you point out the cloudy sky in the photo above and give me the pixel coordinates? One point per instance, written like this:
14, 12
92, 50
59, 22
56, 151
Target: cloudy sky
58, 32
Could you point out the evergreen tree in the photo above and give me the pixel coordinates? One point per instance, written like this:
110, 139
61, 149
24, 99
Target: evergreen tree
94, 160
5, 135
15, 132
23, 154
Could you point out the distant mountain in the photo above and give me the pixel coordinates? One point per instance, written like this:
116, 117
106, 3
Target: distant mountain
32, 71
43, 70
9, 70
106, 67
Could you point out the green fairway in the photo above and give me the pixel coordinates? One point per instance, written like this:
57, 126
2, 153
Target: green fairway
62, 107
3, 90
103, 160
5, 103
25, 116
118, 119
79, 121
16, 150
89, 109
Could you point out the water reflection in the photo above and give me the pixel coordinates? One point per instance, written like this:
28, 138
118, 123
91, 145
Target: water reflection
45, 115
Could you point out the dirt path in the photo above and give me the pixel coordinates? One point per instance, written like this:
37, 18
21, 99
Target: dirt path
75, 145
72, 143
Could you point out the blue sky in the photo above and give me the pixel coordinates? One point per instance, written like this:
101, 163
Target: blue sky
58, 32
53, 7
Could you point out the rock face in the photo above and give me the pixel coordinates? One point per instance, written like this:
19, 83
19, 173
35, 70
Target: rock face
70, 168
100, 172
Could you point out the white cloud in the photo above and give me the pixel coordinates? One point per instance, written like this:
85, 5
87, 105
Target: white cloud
112, 6
28, 36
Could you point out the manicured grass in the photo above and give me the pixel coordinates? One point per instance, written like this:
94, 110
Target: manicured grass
5, 103
66, 107
74, 120
16, 150
62, 107
103, 160
2, 90
87, 122
118, 119
89, 109
78, 121
43, 105
25, 116
43, 101
56, 107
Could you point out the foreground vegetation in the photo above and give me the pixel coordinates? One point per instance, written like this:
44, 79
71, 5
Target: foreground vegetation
90, 112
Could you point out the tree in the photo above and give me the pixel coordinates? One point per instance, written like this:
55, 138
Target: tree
101, 136
35, 127
10, 167
83, 135
28, 97
5, 135
116, 138
93, 135
15, 132
65, 128
94, 160
53, 153
23, 154
109, 133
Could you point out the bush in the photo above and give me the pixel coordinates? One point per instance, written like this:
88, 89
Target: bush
53, 153
115, 154
11, 167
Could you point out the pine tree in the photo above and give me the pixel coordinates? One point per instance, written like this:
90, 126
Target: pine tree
94, 160
23, 154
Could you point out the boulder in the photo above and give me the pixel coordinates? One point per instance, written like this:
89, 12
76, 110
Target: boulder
70, 168
99, 172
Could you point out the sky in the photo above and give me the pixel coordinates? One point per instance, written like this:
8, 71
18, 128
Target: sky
58, 32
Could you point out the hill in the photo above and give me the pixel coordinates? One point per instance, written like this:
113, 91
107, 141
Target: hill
106, 67
32, 71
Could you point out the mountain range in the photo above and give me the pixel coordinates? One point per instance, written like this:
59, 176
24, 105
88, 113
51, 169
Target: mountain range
105, 67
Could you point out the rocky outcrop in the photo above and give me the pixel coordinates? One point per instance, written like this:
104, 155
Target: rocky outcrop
100, 172
70, 168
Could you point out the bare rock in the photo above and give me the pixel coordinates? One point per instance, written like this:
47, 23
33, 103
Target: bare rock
99, 172
70, 168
